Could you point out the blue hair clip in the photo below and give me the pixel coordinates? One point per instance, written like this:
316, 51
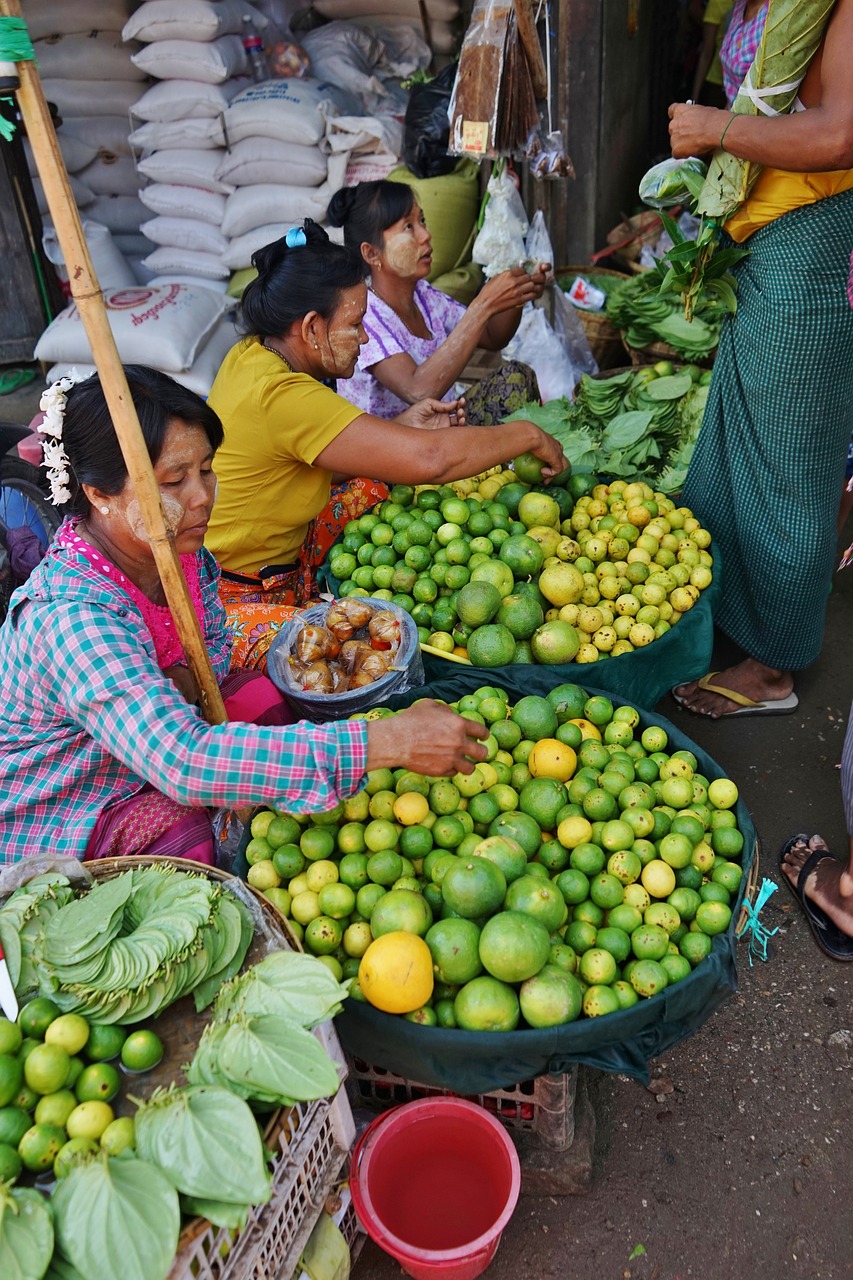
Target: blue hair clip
295, 238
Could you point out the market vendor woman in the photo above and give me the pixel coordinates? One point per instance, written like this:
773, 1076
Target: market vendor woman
102, 750
288, 436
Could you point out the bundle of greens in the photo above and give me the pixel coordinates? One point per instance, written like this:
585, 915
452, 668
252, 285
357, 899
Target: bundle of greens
26, 1233
130, 946
793, 31
648, 313
631, 424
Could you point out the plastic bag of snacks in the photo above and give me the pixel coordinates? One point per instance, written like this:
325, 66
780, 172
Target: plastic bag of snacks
345, 656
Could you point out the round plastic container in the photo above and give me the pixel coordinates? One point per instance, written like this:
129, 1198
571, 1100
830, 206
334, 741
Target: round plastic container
434, 1183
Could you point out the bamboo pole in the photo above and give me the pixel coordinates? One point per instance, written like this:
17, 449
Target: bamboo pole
526, 20
89, 299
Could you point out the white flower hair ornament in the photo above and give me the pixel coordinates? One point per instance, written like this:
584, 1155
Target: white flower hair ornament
52, 404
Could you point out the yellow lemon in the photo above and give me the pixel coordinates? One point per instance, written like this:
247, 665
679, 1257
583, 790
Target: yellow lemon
396, 973
89, 1120
658, 878
587, 728
552, 759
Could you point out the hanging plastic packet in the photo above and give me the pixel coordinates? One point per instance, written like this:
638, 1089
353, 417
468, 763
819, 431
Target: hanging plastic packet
547, 156
500, 241
672, 182
537, 245
585, 296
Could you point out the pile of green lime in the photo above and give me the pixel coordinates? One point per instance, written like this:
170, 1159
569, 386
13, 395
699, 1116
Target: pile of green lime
57, 1081
513, 571
581, 868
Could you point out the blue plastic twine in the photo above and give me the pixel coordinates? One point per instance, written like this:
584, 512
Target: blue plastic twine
758, 935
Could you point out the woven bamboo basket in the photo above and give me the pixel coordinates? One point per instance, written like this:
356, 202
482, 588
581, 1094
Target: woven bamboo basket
604, 340
663, 351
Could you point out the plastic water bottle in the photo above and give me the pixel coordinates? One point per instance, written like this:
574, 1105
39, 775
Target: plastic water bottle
254, 46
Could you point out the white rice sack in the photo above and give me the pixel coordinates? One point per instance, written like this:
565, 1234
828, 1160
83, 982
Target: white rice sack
163, 327
107, 134
368, 169
269, 202
206, 364
186, 100
75, 152
218, 286
133, 245
185, 233
212, 63
75, 57
121, 214
173, 201
406, 50
266, 160
201, 20
92, 97
365, 135
167, 259
157, 135
444, 37
110, 175
288, 110
406, 10
195, 168
238, 255
47, 18
110, 267
349, 55
81, 193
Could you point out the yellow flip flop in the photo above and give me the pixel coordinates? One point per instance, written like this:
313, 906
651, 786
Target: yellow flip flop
746, 706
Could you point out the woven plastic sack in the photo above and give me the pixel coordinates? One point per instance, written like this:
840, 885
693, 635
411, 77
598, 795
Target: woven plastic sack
469, 1062
406, 674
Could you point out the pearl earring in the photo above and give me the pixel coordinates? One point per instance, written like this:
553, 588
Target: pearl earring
105, 511
316, 346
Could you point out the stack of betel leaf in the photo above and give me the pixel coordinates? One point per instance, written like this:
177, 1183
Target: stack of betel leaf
636, 422
646, 317
129, 947
123, 1185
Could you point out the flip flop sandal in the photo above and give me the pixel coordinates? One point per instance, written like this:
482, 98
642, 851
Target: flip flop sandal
746, 706
12, 379
827, 935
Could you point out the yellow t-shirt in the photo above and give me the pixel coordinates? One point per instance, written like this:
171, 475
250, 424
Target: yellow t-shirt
716, 12
276, 423
777, 191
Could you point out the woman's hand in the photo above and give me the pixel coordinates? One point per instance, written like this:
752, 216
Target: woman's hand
693, 131
549, 451
510, 290
428, 738
434, 415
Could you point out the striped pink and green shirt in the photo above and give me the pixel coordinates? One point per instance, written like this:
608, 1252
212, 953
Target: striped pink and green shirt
87, 718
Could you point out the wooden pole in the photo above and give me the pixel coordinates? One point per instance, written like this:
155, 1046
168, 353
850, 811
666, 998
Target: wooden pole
529, 36
87, 294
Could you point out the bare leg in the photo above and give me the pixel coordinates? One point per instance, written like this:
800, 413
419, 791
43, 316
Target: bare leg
829, 886
751, 678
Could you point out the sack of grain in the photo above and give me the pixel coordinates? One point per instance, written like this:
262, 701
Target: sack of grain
265, 160
185, 233
202, 20
111, 270
179, 201
286, 110
186, 100
92, 97
47, 18
122, 215
265, 203
78, 56
107, 134
157, 135
189, 262
212, 63
195, 168
75, 152
110, 175
164, 327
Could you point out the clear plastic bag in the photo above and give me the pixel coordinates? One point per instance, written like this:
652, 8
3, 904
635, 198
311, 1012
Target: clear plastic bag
538, 245
569, 328
672, 182
326, 699
500, 242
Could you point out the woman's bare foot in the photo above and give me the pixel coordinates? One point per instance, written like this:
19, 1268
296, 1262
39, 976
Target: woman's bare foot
829, 886
751, 678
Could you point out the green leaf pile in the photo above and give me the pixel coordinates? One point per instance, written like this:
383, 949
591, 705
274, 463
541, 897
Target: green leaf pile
645, 310
116, 1218
289, 984
130, 946
26, 1234
206, 1141
630, 425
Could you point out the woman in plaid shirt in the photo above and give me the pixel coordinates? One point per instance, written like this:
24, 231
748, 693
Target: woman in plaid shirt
102, 749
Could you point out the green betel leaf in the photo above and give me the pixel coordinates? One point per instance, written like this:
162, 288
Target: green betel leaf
26, 1234
222, 1213
59, 1269
671, 387
117, 1218
627, 429
206, 1142
290, 984
276, 1061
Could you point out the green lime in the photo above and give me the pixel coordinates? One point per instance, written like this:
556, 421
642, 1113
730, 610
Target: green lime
55, 1108
14, 1122
46, 1069
100, 1082
40, 1146
11, 1078
74, 1151
36, 1016
141, 1051
11, 1037
10, 1163
104, 1042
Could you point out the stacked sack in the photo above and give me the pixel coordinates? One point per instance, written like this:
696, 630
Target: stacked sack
194, 50
442, 16
87, 72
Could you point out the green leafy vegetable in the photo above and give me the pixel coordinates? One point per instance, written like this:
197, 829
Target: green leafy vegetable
26, 1234
117, 1218
206, 1141
266, 1059
289, 984
222, 1213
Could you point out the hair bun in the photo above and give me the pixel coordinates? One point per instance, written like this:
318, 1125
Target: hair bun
340, 206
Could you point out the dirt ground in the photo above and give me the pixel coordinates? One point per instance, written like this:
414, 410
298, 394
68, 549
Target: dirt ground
737, 1164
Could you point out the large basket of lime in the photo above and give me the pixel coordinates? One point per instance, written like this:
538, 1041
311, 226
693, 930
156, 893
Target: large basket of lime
502, 572
572, 900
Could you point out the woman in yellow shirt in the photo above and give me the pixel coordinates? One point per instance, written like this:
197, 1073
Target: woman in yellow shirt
289, 436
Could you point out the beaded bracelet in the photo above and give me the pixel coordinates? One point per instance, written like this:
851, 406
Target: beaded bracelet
732, 119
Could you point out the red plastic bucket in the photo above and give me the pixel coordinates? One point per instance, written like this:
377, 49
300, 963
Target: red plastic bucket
434, 1183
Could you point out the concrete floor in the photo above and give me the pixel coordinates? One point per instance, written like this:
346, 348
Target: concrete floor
737, 1164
